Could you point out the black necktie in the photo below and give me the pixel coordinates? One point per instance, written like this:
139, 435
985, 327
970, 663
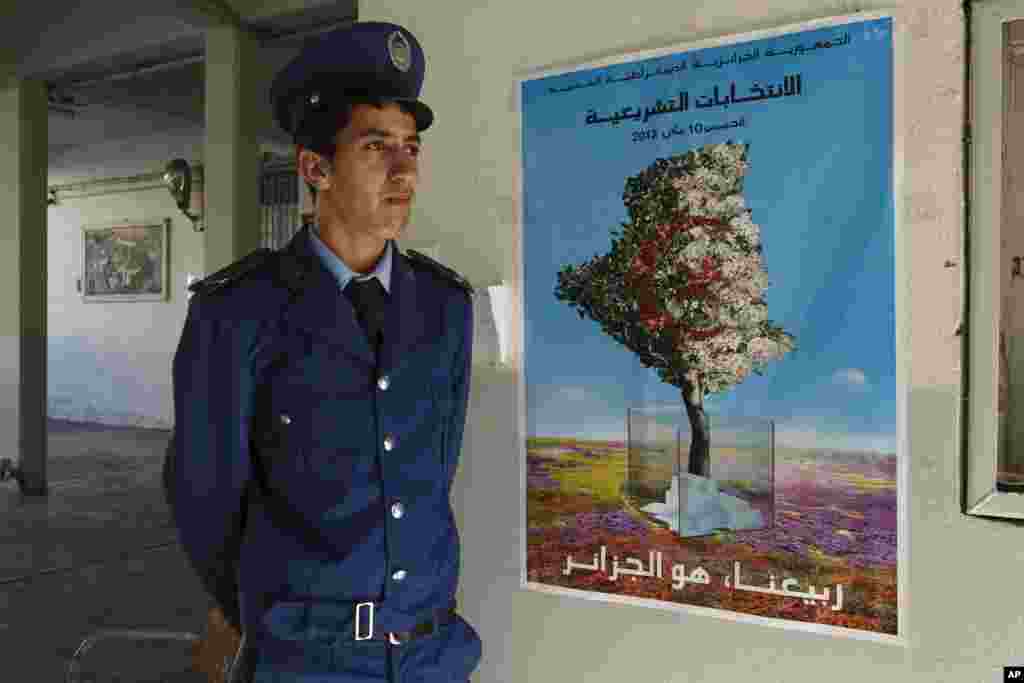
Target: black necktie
370, 299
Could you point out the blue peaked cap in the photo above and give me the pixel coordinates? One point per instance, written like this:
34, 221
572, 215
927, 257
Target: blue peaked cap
366, 59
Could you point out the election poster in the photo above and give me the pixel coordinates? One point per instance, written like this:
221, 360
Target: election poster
711, 404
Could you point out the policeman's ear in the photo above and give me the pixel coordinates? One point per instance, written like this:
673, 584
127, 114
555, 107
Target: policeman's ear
318, 168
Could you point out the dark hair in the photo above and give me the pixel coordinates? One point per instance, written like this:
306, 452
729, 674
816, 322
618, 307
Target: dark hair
319, 129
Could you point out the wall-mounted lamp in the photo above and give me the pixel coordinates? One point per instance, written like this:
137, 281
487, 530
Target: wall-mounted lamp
178, 179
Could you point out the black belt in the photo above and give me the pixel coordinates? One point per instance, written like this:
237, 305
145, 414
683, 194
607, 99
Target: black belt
364, 627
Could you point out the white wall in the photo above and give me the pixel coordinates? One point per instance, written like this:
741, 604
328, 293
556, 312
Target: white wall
961, 618
111, 362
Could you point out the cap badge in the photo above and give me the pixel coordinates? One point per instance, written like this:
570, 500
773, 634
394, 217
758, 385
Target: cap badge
400, 51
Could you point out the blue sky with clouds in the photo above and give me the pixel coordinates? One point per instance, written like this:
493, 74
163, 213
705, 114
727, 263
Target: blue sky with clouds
819, 185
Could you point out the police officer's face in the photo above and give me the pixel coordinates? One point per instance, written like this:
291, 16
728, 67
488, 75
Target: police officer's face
376, 170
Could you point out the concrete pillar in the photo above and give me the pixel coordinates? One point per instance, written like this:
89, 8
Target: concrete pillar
23, 138
231, 160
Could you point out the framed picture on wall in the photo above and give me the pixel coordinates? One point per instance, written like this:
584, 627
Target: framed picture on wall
713, 411
993, 468
125, 262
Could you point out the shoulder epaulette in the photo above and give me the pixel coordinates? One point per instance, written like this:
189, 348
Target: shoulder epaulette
232, 273
442, 270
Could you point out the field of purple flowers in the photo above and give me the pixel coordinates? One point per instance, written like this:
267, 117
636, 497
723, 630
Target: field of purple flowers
840, 510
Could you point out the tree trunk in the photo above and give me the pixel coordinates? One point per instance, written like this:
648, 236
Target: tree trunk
700, 439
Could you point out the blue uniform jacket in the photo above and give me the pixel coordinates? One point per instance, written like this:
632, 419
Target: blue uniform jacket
309, 476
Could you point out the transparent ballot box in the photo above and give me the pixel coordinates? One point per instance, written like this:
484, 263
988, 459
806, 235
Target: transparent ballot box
738, 495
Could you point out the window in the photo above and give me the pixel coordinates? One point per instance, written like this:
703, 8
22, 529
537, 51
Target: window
280, 207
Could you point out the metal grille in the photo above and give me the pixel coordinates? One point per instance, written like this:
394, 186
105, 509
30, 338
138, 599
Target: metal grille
280, 208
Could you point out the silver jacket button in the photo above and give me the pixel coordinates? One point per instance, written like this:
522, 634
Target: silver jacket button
384, 383
397, 510
285, 420
389, 442
399, 575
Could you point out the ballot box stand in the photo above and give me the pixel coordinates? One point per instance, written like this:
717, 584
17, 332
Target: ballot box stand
738, 496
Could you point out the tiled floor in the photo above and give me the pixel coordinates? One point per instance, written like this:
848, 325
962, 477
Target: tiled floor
99, 552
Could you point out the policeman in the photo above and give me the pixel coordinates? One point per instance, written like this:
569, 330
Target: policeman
320, 397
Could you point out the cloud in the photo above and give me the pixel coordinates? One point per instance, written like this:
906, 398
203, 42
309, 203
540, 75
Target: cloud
853, 378
561, 398
574, 394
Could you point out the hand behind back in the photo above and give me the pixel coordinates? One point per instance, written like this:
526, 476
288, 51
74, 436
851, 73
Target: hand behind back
217, 649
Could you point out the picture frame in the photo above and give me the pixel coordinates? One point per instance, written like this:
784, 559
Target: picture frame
629, 479
125, 262
991, 384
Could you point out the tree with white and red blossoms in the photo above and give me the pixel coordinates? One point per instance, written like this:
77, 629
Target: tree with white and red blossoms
683, 285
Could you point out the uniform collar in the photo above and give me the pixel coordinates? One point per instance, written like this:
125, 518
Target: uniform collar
317, 309
342, 272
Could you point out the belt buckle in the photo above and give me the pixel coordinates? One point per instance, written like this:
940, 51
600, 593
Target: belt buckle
358, 607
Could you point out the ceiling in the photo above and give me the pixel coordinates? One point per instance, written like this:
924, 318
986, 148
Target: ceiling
117, 74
